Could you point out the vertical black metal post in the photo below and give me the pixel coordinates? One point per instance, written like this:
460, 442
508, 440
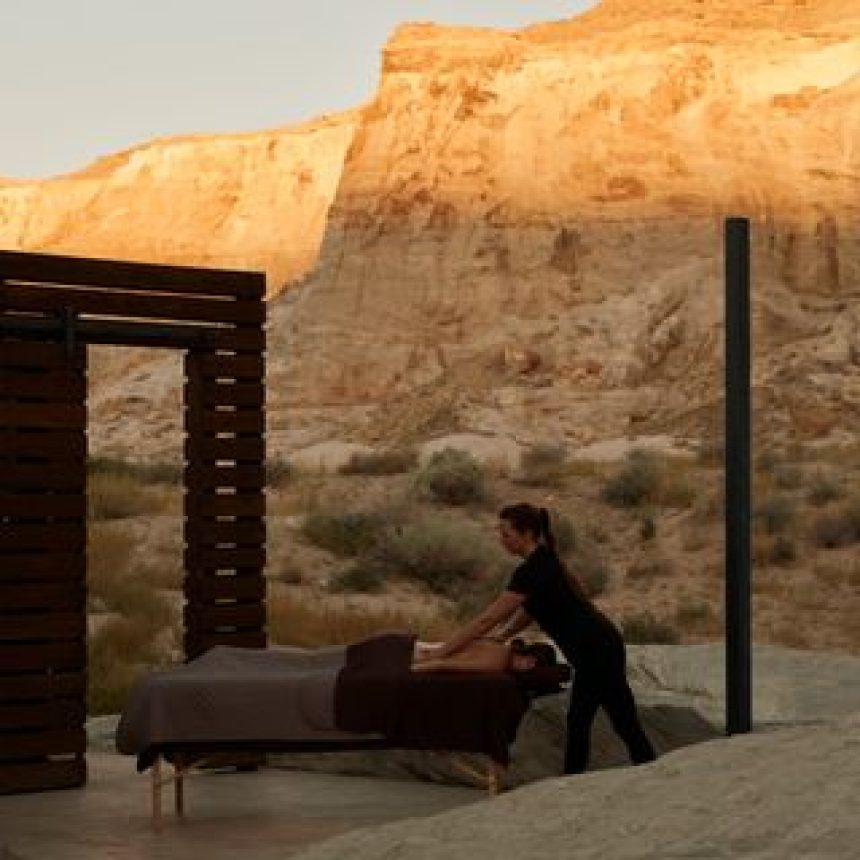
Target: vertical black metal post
737, 471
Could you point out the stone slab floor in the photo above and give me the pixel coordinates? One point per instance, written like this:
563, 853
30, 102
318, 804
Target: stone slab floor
264, 814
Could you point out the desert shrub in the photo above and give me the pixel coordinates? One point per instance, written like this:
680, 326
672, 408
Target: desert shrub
279, 473
445, 555
648, 568
783, 551
543, 465
363, 576
392, 461
675, 488
787, 477
116, 496
452, 477
824, 488
109, 554
696, 615
648, 526
838, 527
564, 532
774, 514
143, 473
643, 627
636, 481
343, 533
591, 570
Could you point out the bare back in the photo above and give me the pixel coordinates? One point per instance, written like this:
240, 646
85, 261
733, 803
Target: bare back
482, 655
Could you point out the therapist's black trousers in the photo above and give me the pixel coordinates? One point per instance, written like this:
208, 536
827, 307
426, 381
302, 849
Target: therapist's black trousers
603, 686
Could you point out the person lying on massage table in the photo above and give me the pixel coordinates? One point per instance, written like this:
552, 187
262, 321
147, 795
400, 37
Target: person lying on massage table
485, 655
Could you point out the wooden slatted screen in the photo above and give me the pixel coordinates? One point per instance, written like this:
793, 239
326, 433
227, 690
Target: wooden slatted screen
219, 316
42, 566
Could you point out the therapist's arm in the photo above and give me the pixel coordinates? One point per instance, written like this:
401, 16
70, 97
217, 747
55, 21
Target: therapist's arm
515, 624
499, 611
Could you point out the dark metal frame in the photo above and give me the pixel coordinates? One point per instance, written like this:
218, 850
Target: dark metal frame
51, 308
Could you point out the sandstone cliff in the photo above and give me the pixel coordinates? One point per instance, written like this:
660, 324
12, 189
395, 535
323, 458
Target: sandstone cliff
532, 220
256, 201
525, 234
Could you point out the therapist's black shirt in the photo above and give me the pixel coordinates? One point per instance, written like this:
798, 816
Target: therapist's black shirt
585, 635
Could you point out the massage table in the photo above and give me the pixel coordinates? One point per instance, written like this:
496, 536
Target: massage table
233, 702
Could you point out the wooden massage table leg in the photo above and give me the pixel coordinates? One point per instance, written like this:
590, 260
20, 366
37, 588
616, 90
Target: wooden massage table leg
493, 779
158, 780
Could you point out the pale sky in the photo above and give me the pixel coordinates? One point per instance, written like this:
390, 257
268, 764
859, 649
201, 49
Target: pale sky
83, 78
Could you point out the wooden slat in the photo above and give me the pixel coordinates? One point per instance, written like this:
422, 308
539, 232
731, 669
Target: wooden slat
109, 303
246, 394
210, 477
42, 595
14, 745
248, 449
239, 367
69, 445
15, 537
207, 589
240, 615
212, 532
239, 505
48, 566
43, 505
224, 559
245, 339
42, 775
45, 715
202, 642
49, 626
56, 386
35, 657
42, 686
149, 277
43, 476
34, 355
51, 416
238, 421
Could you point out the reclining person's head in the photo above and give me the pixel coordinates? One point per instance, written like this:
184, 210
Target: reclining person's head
526, 656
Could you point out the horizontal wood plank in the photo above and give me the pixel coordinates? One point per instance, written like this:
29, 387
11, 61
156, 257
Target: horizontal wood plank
42, 505
147, 277
42, 775
47, 596
211, 477
207, 589
42, 686
43, 476
200, 643
211, 532
48, 566
54, 387
45, 626
208, 448
239, 505
51, 416
45, 715
17, 746
239, 616
54, 537
238, 367
32, 657
62, 446
206, 558
43, 356
128, 305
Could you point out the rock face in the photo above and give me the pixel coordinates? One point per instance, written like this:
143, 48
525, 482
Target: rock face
525, 234
250, 201
532, 221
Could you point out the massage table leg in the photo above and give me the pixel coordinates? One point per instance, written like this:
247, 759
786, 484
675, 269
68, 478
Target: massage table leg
156, 792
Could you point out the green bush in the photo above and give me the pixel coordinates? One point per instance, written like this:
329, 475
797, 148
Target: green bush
636, 482
775, 514
444, 555
543, 465
824, 488
345, 534
452, 477
363, 576
393, 461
